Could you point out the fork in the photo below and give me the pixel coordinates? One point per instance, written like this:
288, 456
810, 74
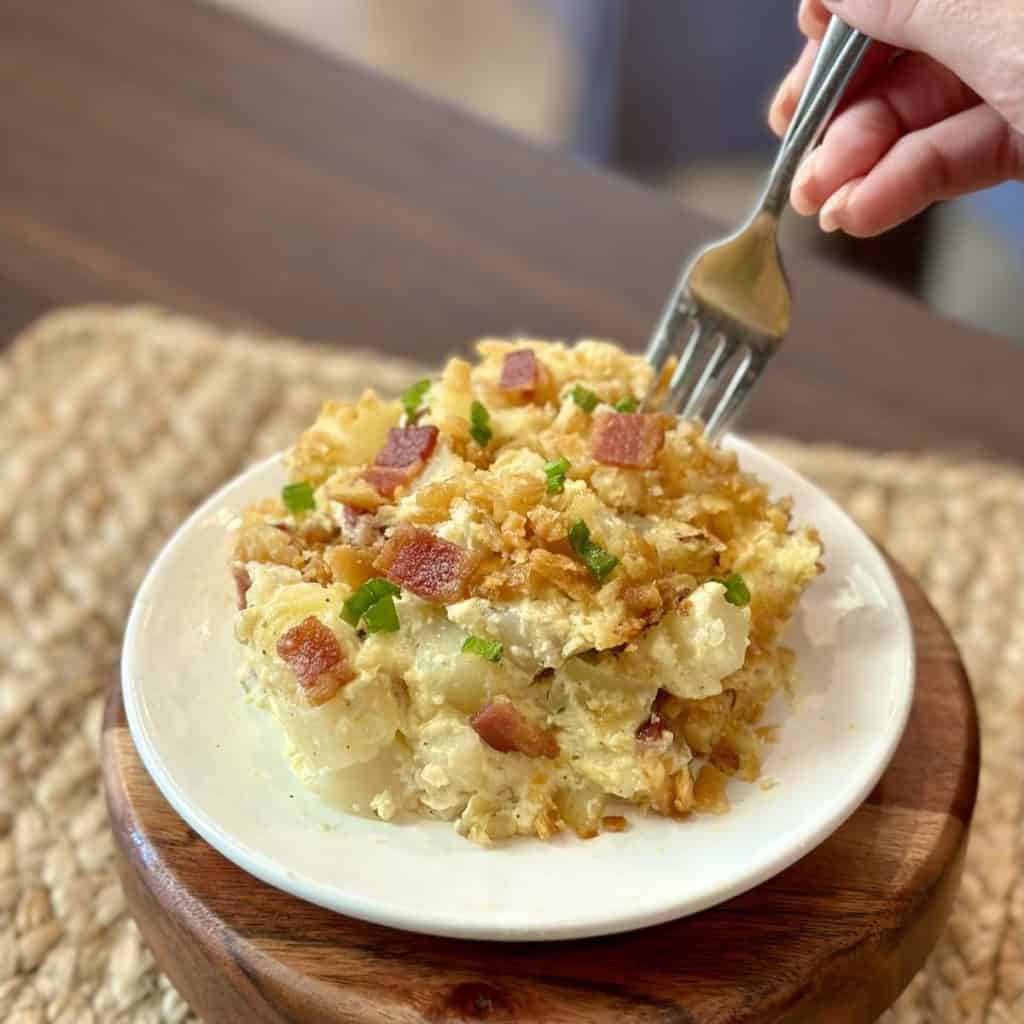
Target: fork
730, 310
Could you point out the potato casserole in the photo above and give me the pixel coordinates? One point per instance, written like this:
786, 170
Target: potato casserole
518, 599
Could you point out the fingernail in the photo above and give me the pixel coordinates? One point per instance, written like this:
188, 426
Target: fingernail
798, 193
833, 210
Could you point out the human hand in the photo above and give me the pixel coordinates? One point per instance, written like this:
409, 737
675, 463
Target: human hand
936, 109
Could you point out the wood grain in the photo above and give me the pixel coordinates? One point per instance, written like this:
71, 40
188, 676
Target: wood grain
174, 153
834, 938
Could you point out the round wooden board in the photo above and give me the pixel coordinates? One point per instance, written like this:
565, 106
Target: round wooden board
834, 938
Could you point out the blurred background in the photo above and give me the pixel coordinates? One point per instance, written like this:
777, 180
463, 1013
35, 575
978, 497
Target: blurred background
671, 93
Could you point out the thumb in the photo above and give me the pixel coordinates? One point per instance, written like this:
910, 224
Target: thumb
916, 24
979, 40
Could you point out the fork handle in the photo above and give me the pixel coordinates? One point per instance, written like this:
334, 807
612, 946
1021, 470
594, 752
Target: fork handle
841, 51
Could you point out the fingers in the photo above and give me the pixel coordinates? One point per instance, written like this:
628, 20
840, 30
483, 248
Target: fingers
812, 18
908, 24
980, 40
780, 113
912, 94
971, 150
788, 94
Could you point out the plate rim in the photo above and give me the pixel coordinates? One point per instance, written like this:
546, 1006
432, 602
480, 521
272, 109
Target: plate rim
407, 918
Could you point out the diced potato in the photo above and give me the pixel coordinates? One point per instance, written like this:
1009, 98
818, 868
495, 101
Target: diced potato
694, 648
343, 435
581, 808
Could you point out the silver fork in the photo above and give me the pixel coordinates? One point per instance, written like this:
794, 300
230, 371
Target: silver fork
730, 310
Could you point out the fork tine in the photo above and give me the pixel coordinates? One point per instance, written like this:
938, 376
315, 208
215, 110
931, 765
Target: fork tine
735, 394
688, 369
720, 358
666, 334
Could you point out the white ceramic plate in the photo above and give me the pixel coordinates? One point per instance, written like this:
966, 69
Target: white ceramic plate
219, 761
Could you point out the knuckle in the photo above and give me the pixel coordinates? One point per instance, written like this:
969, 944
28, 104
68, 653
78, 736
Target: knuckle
864, 132
936, 173
1010, 155
1005, 91
896, 21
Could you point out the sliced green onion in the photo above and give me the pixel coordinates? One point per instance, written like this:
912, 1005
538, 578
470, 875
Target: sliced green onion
368, 595
382, 616
736, 590
480, 424
489, 650
590, 553
555, 472
298, 498
626, 404
584, 398
412, 397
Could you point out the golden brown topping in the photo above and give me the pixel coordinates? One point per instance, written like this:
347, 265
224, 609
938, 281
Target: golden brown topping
709, 791
702, 723
312, 652
548, 821
349, 487
434, 501
316, 532
614, 823
643, 601
350, 565
670, 789
498, 582
503, 727
569, 575
316, 569
257, 542
738, 752
511, 492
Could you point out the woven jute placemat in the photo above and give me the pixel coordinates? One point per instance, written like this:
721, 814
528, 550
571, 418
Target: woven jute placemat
114, 423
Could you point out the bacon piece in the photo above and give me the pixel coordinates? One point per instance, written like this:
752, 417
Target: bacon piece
243, 581
386, 480
312, 652
651, 730
502, 726
430, 567
627, 439
407, 446
520, 371
401, 459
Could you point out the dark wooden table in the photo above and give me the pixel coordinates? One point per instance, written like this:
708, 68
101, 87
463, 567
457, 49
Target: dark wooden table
174, 153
